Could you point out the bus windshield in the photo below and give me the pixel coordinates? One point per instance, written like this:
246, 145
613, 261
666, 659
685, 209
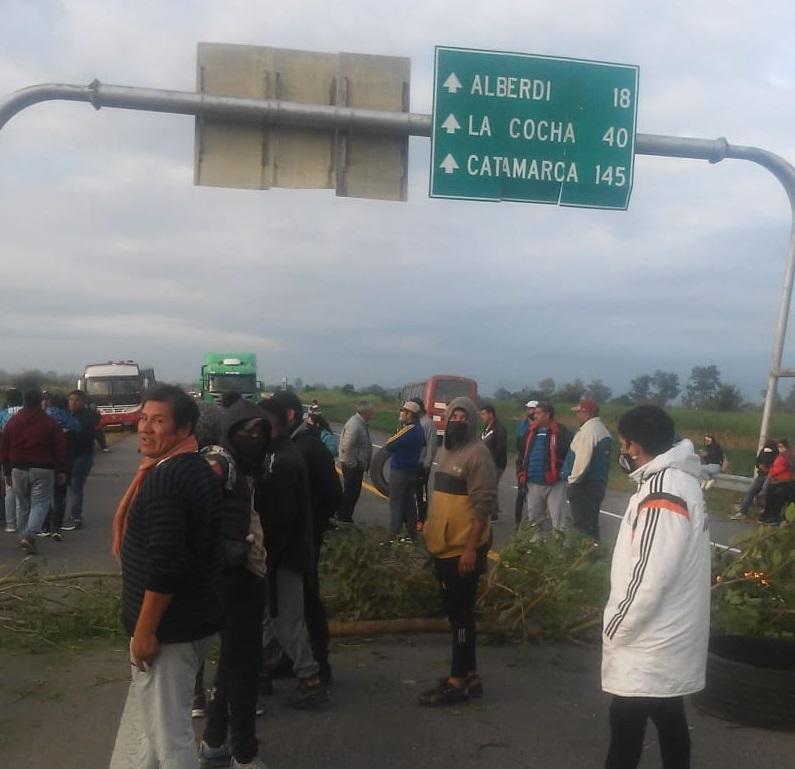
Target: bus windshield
99, 387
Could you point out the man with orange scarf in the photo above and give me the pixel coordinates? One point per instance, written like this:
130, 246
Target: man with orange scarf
167, 531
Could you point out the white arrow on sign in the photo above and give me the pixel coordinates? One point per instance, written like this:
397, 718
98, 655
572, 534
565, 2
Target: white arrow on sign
451, 125
452, 84
449, 164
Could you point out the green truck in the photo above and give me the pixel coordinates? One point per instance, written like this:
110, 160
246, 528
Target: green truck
223, 372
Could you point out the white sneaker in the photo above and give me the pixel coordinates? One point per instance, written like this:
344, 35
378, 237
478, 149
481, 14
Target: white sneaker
257, 763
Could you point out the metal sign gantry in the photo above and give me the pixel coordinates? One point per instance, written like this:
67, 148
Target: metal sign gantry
388, 123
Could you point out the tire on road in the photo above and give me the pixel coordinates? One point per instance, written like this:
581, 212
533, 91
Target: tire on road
378, 464
751, 681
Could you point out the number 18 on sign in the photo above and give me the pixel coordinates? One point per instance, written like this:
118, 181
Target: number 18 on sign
511, 126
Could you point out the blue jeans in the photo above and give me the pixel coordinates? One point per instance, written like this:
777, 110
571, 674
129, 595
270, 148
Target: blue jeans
34, 492
10, 507
756, 486
80, 470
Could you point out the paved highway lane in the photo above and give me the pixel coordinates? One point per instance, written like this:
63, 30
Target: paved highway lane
89, 548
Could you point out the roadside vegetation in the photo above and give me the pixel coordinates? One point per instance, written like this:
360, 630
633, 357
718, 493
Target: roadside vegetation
541, 588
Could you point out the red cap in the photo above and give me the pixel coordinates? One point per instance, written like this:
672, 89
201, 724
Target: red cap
587, 405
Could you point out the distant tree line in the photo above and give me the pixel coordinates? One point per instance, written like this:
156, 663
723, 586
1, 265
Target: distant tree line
33, 379
703, 390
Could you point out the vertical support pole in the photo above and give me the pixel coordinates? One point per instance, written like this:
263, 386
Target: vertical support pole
778, 339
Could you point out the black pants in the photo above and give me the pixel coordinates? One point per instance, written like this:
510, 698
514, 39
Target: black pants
423, 474
628, 724
233, 703
518, 507
315, 613
585, 499
54, 519
351, 489
458, 598
778, 495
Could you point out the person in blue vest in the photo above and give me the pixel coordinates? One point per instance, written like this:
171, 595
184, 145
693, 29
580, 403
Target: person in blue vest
404, 449
545, 449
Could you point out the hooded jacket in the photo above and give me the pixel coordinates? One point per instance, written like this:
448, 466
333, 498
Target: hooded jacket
465, 489
240, 530
656, 622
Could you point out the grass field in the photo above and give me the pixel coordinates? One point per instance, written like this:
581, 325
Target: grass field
737, 432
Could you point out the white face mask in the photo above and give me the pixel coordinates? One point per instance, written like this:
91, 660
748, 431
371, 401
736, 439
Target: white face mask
627, 463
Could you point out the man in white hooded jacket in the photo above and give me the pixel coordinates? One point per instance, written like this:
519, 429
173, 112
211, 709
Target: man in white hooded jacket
656, 622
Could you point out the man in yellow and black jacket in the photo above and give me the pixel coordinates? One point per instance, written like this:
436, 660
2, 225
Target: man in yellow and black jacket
458, 536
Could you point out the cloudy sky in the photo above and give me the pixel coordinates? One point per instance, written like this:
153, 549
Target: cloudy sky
110, 251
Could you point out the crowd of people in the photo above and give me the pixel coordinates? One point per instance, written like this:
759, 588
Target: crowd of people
46, 452
222, 532
222, 529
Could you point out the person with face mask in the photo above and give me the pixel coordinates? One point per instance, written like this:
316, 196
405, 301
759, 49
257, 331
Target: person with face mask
656, 622
232, 706
458, 536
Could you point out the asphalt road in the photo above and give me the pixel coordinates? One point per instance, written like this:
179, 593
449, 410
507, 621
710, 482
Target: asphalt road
543, 706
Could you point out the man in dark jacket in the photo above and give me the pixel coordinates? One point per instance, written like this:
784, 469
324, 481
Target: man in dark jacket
283, 501
83, 457
232, 706
545, 449
167, 530
496, 439
325, 492
32, 451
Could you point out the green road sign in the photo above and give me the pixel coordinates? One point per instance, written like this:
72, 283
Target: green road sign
513, 126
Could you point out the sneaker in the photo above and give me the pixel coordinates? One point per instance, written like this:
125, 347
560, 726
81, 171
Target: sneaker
43, 534
738, 516
199, 709
56, 536
28, 545
308, 695
106, 451
10, 528
214, 758
256, 763
444, 693
75, 525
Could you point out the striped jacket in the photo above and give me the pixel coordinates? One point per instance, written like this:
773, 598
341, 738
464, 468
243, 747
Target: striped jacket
656, 622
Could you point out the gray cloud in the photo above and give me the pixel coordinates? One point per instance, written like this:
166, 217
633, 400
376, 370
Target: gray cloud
109, 251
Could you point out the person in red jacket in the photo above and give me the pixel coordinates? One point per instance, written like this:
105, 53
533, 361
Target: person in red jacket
32, 451
780, 487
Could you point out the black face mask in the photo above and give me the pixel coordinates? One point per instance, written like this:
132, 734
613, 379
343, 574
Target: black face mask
455, 434
627, 463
